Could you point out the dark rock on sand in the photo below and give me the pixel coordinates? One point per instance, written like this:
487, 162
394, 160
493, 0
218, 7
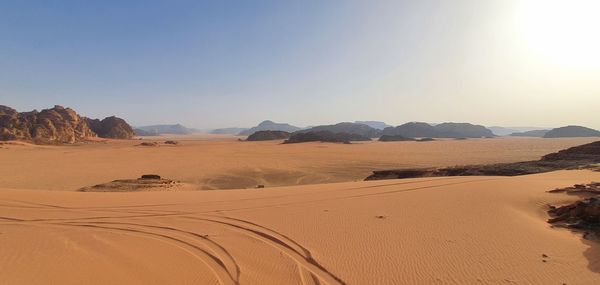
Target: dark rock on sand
268, 136
148, 182
583, 156
325, 136
150, 176
148, 144
580, 215
172, 142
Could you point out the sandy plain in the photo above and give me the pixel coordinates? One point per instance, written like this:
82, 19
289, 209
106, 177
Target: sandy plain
316, 230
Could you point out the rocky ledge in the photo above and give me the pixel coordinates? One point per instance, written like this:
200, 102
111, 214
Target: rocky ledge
148, 182
583, 156
581, 215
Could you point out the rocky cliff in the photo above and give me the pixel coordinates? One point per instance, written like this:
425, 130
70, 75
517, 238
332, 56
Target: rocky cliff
57, 125
111, 127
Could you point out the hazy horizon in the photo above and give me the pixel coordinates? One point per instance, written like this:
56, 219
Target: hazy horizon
234, 64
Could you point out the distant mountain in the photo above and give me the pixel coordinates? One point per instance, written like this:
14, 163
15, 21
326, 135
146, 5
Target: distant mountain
412, 130
374, 124
346, 127
176, 129
463, 130
228, 131
142, 133
268, 136
572, 131
269, 126
443, 130
324, 136
505, 131
534, 133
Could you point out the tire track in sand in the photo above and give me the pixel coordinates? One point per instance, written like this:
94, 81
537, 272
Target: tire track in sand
221, 253
307, 265
214, 263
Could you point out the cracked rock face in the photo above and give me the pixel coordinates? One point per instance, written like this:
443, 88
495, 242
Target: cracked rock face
58, 125
55, 125
111, 127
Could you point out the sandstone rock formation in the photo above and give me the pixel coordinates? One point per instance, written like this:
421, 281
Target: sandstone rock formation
268, 136
148, 182
111, 127
581, 215
325, 136
58, 125
55, 125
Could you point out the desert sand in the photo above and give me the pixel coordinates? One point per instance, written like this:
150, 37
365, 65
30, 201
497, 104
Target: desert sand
445, 230
222, 162
459, 230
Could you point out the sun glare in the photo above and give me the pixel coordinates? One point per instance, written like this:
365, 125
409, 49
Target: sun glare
564, 32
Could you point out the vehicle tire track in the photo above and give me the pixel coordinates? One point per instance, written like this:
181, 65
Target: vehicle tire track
278, 241
222, 254
214, 264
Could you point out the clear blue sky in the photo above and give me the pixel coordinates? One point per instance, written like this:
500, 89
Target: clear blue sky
235, 63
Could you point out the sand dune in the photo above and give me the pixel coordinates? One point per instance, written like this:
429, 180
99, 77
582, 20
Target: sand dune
221, 162
453, 230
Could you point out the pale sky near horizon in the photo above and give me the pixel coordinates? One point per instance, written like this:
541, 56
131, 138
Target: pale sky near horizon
209, 64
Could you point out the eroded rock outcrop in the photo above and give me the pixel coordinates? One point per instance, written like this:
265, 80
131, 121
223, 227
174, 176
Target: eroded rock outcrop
147, 182
55, 125
58, 125
581, 215
111, 127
